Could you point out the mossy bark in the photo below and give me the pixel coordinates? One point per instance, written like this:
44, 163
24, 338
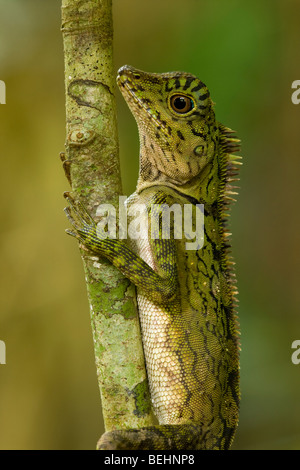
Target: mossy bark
91, 163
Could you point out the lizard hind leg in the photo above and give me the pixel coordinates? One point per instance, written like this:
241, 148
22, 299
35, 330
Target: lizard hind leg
151, 438
164, 437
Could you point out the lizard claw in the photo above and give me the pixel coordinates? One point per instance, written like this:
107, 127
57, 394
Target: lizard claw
73, 234
77, 213
84, 227
67, 211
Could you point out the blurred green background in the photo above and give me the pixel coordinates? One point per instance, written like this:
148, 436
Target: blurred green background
248, 55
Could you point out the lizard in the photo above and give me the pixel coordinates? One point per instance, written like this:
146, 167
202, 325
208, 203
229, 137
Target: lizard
187, 299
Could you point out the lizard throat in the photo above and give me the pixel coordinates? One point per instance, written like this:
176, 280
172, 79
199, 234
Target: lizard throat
128, 89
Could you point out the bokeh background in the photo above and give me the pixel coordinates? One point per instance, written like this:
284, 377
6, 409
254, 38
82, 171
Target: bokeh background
248, 55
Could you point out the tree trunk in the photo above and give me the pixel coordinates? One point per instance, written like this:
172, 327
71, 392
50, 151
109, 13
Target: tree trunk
91, 163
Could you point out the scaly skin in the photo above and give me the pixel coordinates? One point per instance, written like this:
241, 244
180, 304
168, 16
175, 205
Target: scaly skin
186, 298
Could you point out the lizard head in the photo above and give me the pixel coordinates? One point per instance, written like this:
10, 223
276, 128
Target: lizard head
176, 122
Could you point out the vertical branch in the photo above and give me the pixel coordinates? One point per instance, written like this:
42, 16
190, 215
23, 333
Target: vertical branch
92, 166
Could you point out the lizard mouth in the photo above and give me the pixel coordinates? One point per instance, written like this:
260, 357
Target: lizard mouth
127, 80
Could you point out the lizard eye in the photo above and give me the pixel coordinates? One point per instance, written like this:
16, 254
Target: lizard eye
181, 104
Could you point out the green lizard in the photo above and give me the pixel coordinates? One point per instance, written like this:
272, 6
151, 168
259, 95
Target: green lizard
186, 298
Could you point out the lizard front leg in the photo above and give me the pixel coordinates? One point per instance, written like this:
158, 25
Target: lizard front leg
159, 286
